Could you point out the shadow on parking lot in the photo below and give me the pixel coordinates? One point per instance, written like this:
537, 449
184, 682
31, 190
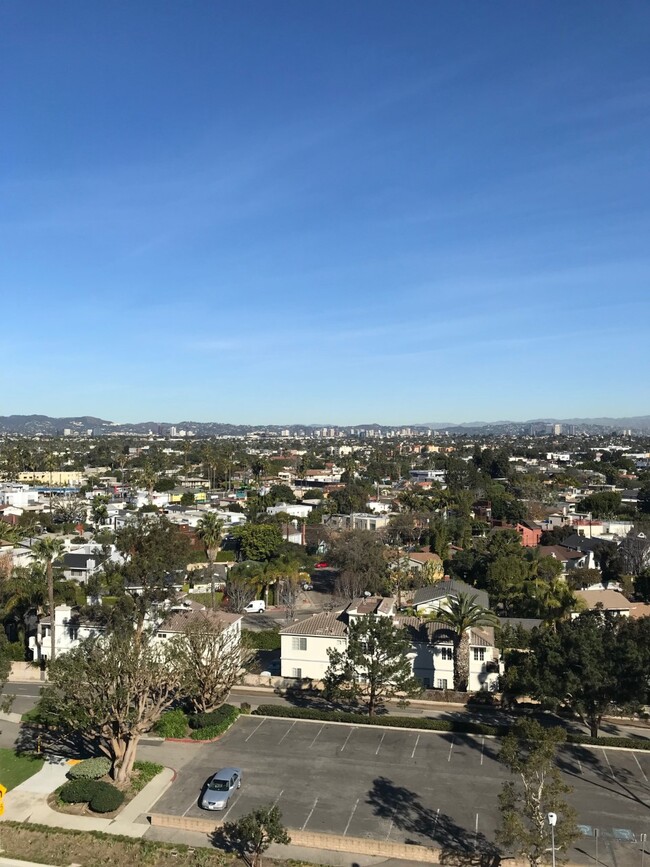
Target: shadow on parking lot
37, 739
613, 779
459, 846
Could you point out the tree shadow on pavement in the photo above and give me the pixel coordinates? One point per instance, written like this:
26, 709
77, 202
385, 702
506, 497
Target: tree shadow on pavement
41, 739
459, 846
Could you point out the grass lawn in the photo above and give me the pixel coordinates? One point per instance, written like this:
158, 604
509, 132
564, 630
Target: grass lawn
16, 769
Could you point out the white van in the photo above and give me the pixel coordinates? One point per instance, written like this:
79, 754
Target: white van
257, 606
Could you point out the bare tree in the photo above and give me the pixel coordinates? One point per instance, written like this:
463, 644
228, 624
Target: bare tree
635, 550
287, 595
212, 657
240, 590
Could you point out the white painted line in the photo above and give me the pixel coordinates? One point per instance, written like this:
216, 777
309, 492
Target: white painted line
417, 741
640, 768
354, 810
390, 827
287, 731
188, 809
433, 830
476, 832
232, 804
275, 803
380, 743
611, 770
255, 729
310, 814
316, 738
451, 746
346, 740
579, 765
482, 747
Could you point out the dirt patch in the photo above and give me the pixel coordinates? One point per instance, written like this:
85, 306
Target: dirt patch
59, 847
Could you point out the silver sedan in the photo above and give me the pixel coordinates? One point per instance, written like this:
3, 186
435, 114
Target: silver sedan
220, 788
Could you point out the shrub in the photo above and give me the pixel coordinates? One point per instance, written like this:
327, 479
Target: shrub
172, 724
245, 707
146, 772
208, 733
265, 639
226, 713
78, 791
106, 798
90, 769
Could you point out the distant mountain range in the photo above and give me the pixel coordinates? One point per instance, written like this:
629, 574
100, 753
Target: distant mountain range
34, 425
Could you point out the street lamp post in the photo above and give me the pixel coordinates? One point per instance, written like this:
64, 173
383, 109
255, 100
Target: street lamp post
552, 821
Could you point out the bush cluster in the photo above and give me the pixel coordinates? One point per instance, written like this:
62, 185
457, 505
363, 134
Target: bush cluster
265, 639
77, 791
211, 725
226, 713
439, 725
172, 724
90, 769
106, 798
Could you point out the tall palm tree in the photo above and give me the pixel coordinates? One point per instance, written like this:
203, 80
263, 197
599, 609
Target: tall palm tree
461, 615
47, 550
209, 531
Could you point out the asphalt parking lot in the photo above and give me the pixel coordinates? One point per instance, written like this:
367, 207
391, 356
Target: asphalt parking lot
422, 787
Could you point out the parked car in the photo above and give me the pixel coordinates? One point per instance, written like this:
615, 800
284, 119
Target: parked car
322, 565
220, 789
257, 606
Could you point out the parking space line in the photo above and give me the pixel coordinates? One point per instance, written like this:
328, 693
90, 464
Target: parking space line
189, 808
287, 731
254, 730
316, 738
275, 803
435, 822
482, 747
380, 743
225, 815
392, 822
580, 766
347, 739
417, 741
354, 810
451, 746
611, 770
476, 832
310, 815
640, 768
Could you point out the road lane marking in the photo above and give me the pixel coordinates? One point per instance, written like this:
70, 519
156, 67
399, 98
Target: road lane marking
275, 803
310, 814
254, 730
383, 735
287, 731
316, 738
611, 770
482, 747
451, 746
354, 810
640, 768
346, 740
417, 741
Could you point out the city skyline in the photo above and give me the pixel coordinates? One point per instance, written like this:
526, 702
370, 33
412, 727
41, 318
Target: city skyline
427, 211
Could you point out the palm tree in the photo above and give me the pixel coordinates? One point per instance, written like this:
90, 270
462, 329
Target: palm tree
209, 531
47, 550
461, 615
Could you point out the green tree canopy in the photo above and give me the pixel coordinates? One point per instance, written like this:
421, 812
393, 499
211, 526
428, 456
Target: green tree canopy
258, 541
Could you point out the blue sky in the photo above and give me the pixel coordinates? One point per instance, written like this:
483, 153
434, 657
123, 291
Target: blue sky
307, 212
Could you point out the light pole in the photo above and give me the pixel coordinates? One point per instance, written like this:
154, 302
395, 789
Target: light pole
552, 821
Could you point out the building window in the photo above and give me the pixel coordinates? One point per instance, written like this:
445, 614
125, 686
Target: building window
162, 635
77, 573
446, 653
299, 644
479, 654
441, 683
296, 672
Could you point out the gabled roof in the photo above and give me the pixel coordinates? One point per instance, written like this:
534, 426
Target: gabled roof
560, 553
319, 625
178, 621
442, 589
80, 561
611, 600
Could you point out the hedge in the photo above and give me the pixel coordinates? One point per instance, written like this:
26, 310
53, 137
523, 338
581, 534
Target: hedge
265, 639
226, 713
106, 798
172, 724
90, 769
78, 791
210, 731
438, 725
